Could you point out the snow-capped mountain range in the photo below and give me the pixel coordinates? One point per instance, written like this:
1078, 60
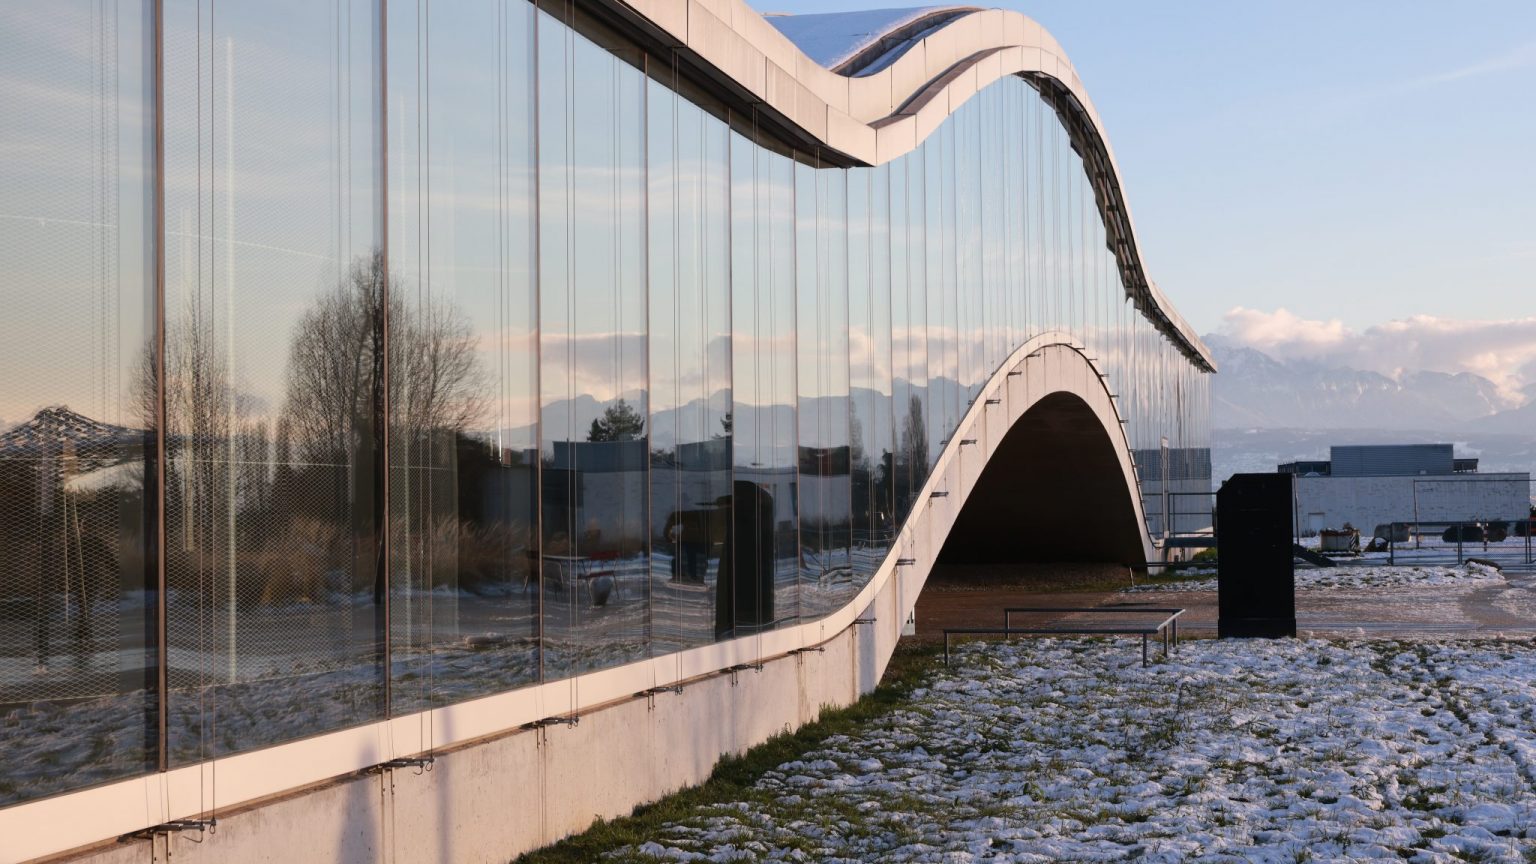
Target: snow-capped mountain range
1256, 390
1268, 411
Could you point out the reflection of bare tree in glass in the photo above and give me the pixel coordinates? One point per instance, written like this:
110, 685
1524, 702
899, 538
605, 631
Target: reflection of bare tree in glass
914, 436
336, 379
912, 452
285, 495
198, 399
336, 366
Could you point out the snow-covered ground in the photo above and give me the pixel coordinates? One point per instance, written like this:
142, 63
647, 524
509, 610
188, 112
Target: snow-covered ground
1269, 751
1354, 577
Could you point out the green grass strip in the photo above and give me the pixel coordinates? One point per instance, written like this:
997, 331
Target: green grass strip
734, 776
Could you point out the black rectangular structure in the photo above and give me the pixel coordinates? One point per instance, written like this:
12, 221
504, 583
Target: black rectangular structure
1256, 579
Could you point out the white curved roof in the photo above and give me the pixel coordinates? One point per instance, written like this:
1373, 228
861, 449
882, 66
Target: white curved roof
897, 100
832, 39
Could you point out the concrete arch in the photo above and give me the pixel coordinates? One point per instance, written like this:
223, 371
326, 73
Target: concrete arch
1049, 380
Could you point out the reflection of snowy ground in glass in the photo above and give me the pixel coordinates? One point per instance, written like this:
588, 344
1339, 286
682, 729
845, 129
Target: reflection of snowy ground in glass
1355, 576
305, 668
1278, 751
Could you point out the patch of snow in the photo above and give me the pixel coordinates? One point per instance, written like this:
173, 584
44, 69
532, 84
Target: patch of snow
1254, 750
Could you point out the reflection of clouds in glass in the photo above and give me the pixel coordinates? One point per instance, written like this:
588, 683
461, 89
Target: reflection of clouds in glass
594, 362
868, 363
72, 236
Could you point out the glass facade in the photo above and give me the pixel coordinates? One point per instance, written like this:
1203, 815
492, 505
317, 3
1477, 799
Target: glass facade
452, 349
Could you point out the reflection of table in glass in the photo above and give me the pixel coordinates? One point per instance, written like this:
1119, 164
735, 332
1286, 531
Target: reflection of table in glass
597, 572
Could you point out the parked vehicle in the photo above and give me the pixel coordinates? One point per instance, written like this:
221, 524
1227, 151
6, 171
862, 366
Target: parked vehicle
1477, 532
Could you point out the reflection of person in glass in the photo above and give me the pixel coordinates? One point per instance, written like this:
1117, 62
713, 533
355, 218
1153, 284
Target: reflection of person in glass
688, 532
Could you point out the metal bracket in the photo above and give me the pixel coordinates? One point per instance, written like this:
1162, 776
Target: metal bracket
736, 670
994, 401
421, 763
172, 827
905, 562
553, 721
650, 695
819, 649
938, 495
863, 620
965, 441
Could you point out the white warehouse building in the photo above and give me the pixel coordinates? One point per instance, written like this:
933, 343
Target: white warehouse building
1372, 486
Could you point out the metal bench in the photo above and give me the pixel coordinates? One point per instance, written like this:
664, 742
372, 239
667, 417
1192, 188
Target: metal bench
1167, 627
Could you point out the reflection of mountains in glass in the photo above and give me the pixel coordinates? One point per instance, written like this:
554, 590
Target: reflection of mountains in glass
772, 428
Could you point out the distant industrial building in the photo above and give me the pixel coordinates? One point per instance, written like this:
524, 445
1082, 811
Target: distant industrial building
1367, 486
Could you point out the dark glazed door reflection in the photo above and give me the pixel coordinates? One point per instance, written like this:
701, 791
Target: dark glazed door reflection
746, 567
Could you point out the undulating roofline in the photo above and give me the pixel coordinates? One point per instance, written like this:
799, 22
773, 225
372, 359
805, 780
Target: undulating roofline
894, 77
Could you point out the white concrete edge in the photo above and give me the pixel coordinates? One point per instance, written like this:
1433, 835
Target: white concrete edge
880, 117
1050, 362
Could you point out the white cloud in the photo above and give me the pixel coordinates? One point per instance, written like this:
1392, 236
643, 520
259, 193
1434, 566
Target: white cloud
1504, 352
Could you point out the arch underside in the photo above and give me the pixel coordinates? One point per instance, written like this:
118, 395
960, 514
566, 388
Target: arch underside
1053, 491
1044, 472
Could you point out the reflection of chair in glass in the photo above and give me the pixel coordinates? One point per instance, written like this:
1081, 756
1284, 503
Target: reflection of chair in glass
601, 576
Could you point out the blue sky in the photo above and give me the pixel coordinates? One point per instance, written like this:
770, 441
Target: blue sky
1352, 162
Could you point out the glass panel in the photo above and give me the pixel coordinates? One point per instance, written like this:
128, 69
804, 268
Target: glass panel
826, 573
763, 536
951, 256
970, 275
691, 383
462, 446
941, 383
776, 267
861, 340
917, 444
908, 349
880, 447
592, 350
275, 304
76, 438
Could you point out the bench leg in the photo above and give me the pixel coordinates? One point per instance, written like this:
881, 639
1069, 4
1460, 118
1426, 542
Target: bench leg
1143, 650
